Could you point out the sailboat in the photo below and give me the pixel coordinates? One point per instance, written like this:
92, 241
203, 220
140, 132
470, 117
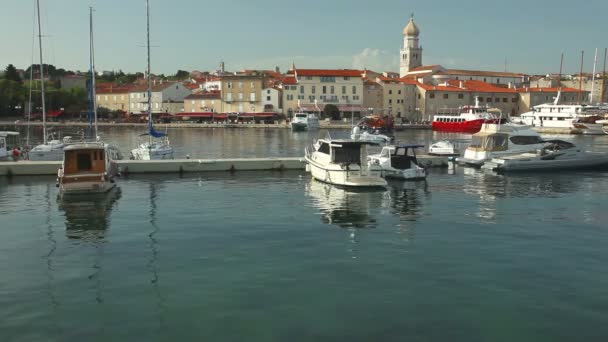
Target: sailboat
88, 167
53, 149
157, 145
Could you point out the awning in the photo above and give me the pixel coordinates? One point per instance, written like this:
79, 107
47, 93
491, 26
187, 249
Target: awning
53, 113
341, 108
246, 115
220, 116
195, 114
265, 115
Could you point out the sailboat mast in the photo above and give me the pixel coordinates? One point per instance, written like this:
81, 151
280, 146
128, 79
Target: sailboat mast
593, 78
93, 104
149, 79
580, 79
604, 77
41, 75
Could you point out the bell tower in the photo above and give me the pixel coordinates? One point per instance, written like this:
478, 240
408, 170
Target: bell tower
411, 52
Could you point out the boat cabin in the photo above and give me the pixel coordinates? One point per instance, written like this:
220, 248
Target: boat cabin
85, 162
401, 157
345, 151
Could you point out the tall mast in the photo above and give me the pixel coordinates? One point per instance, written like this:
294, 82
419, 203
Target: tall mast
41, 74
149, 79
92, 61
559, 77
580, 78
604, 77
593, 78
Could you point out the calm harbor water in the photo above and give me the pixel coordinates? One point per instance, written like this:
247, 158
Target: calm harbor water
465, 256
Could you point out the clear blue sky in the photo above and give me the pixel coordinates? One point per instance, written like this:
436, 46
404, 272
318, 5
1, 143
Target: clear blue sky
197, 34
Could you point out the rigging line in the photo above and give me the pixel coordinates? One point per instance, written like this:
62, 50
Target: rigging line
29, 103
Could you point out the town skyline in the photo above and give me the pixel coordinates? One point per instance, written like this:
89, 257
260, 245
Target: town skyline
279, 36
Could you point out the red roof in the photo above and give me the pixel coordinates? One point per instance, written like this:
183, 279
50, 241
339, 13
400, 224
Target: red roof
425, 68
481, 87
483, 73
114, 89
289, 80
328, 72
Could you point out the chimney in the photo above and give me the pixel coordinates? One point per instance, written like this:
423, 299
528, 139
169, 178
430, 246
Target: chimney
510, 85
461, 85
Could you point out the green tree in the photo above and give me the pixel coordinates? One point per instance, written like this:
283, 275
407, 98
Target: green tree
11, 98
331, 111
181, 75
10, 73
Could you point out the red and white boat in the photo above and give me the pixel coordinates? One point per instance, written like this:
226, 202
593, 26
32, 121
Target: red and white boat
468, 119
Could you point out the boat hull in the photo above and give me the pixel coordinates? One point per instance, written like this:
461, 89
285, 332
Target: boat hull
53, 155
588, 128
299, 126
471, 126
523, 164
345, 177
409, 174
85, 188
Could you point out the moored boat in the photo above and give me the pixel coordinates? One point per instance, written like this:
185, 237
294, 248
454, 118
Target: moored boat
8, 142
556, 155
87, 167
304, 122
495, 140
399, 162
343, 162
443, 148
468, 119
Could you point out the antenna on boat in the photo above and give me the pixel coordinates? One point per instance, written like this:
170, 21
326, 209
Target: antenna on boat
41, 75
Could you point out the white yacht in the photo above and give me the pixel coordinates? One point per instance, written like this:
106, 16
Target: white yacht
443, 148
398, 162
556, 155
495, 140
577, 117
343, 162
360, 134
51, 150
8, 140
305, 122
157, 145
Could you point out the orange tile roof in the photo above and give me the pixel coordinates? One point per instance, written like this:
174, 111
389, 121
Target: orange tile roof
329, 72
483, 73
114, 89
290, 80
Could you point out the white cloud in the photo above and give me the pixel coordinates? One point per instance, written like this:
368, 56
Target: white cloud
375, 59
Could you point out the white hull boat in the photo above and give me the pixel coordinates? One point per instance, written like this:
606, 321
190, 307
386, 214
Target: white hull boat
495, 141
604, 124
87, 168
398, 162
557, 155
342, 162
443, 148
8, 140
155, 150
364, 135
305, 122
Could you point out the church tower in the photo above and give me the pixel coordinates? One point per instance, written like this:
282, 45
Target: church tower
411, 53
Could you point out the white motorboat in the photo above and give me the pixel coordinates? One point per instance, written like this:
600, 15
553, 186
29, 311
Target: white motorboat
157, 145
87, 168
343, 162
51, 150
443, 148
556, 155
496, 140
371, 136
8, 141
398, 162
305, 122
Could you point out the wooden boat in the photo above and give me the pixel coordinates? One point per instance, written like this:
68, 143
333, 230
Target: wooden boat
87, 168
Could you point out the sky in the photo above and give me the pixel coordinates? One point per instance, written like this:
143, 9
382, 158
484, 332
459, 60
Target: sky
261, 34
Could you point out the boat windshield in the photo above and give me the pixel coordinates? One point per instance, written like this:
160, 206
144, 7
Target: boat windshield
492, 142
350, 154
302, 115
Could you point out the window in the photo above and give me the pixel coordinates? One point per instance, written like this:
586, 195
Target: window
481, 99
346, 78
252, 85
252, 97
390, 92
309, 78
241, 85
268, 91
461, 96
229, 85
485, 80
267, 98
331, 90
354, 90
240, 96
228, 96
431, 95
498, 81
497, 100
356, 97
324, 89
514, 100
324, 148
489, 99
399, 92
526, 140
328, 79
301, 89
445, 96
314, 89
83, 162
343, 89
300, 96
505, 100
311, 98
390, 101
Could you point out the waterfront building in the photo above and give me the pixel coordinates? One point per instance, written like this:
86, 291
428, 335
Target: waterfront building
114, 98
399, 96
411, 51
272, 98
206, 102
167, 97
242, 93
311, 90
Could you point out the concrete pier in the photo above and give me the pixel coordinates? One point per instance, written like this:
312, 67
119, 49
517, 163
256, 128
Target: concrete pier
41, 168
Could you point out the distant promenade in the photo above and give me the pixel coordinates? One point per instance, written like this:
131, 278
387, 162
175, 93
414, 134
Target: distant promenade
280, 124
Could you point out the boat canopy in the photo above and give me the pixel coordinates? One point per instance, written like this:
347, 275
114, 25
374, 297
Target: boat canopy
490, 142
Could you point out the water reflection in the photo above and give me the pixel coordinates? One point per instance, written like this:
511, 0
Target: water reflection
152, 263
406, 198
345, 208
87, 217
